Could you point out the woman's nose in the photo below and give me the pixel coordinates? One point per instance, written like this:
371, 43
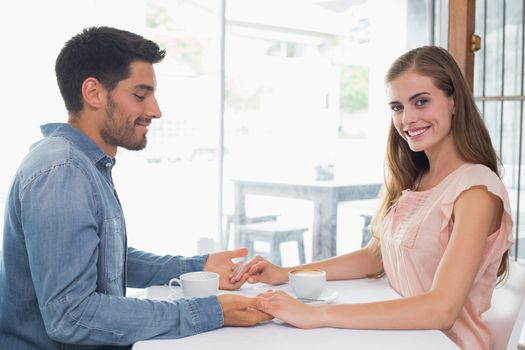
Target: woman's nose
409, 116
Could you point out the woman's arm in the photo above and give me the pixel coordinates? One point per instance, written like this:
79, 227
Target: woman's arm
477, 213
361, 263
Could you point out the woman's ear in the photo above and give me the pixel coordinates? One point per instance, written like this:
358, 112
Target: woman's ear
93, 93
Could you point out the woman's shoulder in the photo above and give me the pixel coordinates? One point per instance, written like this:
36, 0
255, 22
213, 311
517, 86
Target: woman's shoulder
472, 172
471, 175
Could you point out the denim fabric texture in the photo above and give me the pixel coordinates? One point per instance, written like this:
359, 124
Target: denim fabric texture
65, 263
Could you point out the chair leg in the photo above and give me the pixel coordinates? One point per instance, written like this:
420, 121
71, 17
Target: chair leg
300, 247
249, 243
226, 233
275, 252
366, 230
245, 241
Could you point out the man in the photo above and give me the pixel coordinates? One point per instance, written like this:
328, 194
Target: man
65, 264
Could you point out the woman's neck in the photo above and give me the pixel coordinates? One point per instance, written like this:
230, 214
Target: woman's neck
440, 166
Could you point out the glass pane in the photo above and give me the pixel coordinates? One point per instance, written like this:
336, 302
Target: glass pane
520, 223
513, 47
441, 22
479, 56
419, 22
494, 48
492, 117
178, 203
169, 191
305, 102
510, 159
510, 143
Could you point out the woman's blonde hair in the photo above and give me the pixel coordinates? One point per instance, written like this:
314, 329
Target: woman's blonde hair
471, 137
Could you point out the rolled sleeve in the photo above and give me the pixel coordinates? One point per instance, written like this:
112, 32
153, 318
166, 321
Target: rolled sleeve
146, 269
102, 319
205, 313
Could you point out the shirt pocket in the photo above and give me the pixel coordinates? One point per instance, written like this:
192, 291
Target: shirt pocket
113, 248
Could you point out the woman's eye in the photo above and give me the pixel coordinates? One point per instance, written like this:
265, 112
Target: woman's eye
421, 102
139, 97
396, 108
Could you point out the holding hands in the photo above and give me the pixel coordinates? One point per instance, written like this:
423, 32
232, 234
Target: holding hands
237, 310
276, 303
257, 270
290, 310
241, 311
222, 264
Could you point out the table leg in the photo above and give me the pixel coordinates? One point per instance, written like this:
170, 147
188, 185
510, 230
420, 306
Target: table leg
324, 232
240, 212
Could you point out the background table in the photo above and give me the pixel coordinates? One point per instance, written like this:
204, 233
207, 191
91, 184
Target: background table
326, 195
274, 335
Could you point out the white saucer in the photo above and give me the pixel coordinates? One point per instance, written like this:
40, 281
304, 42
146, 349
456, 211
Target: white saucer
327, 296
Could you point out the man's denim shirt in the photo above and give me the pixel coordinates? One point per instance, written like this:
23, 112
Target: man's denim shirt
65, 263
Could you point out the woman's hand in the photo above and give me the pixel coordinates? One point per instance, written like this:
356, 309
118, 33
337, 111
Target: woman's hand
290, 310
222, 264
239, 310
257, 270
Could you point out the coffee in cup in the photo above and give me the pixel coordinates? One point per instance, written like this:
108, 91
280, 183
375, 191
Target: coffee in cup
197, 284
307, 283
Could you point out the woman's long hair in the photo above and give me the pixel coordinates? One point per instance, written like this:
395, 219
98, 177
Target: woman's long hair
471, 137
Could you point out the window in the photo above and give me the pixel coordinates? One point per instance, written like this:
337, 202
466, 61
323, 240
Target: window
498, 89
169, 191
304, 98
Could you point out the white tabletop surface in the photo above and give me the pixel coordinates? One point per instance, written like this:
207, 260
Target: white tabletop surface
278, 335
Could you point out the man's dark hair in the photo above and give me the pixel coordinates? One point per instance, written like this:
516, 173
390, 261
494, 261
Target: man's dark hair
103, 53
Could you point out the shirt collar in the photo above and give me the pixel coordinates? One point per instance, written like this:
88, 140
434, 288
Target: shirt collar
80, 140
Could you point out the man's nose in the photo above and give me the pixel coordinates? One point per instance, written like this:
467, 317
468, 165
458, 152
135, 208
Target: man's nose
153, 109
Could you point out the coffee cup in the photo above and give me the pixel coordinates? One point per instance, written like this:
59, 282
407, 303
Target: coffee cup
196, 284
307, 283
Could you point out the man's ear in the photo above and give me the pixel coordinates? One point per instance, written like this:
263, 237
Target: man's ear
93, 93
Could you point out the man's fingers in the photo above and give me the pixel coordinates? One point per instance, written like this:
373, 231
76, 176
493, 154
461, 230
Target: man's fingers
238, 253
241, 311
260, 315
246, 317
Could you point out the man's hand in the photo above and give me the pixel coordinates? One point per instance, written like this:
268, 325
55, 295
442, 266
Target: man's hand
257, 270
222, 263
241, 311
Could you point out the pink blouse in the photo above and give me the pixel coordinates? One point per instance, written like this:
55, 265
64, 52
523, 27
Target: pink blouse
415, 235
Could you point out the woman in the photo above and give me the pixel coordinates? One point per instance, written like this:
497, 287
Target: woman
443, 229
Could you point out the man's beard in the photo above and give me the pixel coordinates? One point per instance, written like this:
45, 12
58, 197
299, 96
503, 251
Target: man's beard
120, 132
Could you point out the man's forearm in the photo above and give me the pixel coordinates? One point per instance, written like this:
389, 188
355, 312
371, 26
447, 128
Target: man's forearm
146, 269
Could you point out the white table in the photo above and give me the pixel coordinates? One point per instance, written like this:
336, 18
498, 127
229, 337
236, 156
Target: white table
325, 195
275, 335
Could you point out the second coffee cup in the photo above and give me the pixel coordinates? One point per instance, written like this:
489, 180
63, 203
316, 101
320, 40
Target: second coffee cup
197, 284
307, 283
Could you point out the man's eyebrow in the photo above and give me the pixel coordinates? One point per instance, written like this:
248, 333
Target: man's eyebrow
145, 87
413, 97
